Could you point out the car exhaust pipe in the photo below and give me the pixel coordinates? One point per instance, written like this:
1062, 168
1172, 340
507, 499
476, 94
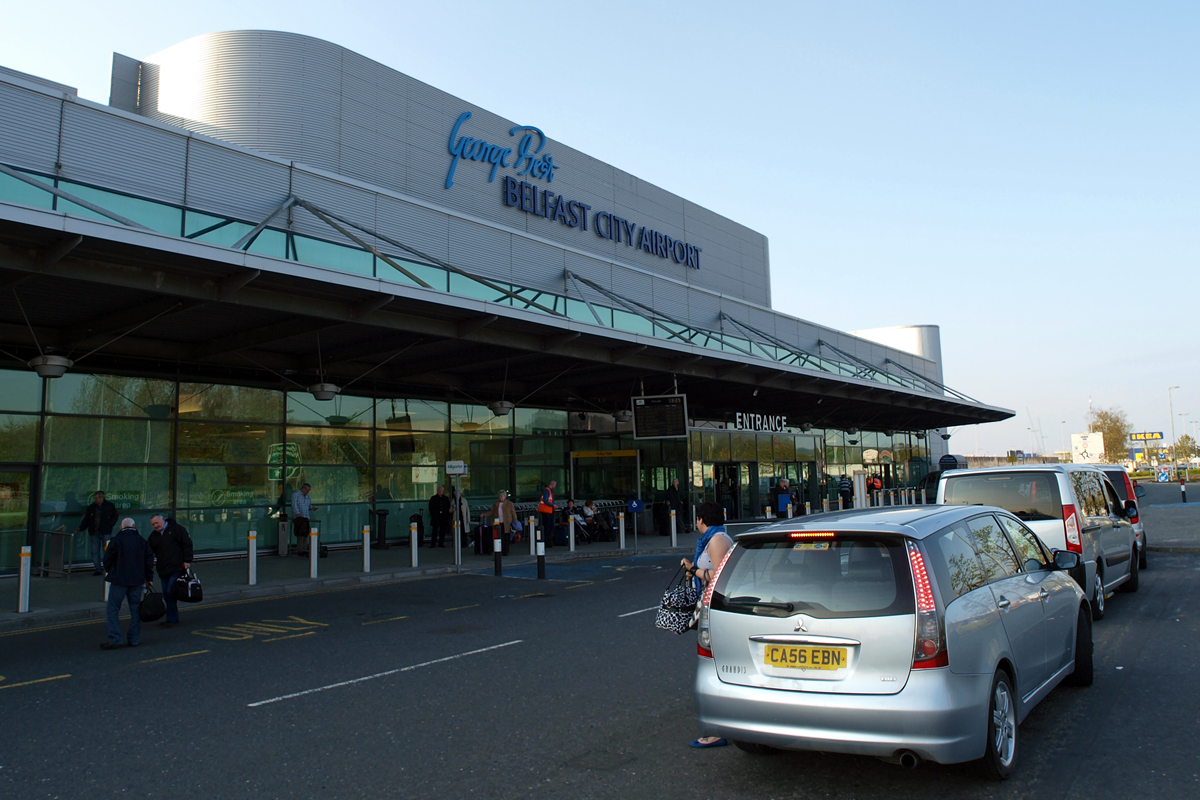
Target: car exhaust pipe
909, 759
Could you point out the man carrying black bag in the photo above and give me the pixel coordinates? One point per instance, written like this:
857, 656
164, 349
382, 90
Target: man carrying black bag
172, 548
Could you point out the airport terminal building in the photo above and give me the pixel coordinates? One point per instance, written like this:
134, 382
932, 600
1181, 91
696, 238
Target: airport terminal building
270, 261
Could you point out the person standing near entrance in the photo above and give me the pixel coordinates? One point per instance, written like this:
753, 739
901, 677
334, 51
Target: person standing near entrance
846, 490
504, 512
130, 566
172, 548
302, 508
781, 498
725, 496
98, 520
675, 503
546, 510
440, 518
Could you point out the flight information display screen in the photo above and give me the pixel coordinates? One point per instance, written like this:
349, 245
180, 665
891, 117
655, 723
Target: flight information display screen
661, 416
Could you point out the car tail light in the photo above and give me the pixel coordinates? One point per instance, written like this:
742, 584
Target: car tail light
703, 629
930, 650
1071, 527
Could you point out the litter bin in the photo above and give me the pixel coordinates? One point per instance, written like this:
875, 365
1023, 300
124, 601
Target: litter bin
381, 529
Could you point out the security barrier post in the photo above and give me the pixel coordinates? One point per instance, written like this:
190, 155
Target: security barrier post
789, 510
1183, 489
106, 583
571, 531
530, 530
412, 542
314, 551
541, 554
252, 562
767, 512
496, 547
807, 508
824, 505
621, 528
366, 533
23, 589
674, 541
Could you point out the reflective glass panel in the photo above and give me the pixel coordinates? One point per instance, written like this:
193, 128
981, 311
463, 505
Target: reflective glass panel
436, 277
416, 415
342, 411
325, 445
477, 419
137, 492
112, 395
784, 447
540, 420
270, 242
335, 256
206, 228
155, 216
216, 401
715, 445
20, 390
107, 441
745, 447
336, 484
416, 449
227, 443
15, 191
478, 450
18, 437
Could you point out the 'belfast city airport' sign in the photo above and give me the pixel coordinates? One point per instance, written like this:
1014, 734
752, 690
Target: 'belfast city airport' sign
529, 160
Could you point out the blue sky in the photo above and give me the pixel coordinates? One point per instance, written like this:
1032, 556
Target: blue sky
1025, 175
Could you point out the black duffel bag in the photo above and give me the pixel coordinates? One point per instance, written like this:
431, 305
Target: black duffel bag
153, 606
187, 588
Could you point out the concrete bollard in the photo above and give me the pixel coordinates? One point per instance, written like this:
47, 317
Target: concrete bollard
412, 542
674, 530
252, 558
314, 551
621, 529
571, 531
366, 534
23, 587
541, 555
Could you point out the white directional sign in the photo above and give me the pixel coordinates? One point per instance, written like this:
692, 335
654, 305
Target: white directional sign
456, 468
1087, 448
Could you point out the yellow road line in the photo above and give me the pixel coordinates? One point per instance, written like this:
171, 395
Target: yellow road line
535, 594
293, 636
576, 586
178, 655
30, 683
460, 608
389, 619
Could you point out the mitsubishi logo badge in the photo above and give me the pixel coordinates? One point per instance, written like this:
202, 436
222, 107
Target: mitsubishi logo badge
800, 625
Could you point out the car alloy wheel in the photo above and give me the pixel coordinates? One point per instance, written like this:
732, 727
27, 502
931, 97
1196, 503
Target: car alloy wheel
1098, 597
1001, 753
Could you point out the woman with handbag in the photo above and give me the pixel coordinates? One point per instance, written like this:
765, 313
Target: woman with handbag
712, 546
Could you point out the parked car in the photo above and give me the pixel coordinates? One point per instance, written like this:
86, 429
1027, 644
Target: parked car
909, 634
1128, 489
1070, 507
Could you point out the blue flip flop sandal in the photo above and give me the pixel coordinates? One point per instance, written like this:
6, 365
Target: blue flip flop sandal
717, 743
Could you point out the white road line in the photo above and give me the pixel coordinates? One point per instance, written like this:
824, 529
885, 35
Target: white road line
382, 674
642, 611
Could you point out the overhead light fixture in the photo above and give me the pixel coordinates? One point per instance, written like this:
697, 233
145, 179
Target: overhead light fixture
624, 415
946, 436
501, 408
157, 410
920, 434
324, 391
51, 366
889, 433
754, 393
852, 441
806, 426
338, 421
851, 431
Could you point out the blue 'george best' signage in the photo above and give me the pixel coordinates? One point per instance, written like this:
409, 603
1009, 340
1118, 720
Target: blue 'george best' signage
527, 159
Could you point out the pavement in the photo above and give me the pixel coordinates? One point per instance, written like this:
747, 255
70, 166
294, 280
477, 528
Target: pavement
57, 600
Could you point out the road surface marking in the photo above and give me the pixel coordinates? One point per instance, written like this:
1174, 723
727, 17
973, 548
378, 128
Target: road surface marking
293, 636
380, 674
30, 683
460, 608
576, 586
640, 611
389, 619
180, 655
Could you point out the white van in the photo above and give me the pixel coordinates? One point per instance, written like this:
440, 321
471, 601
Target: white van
1070, 507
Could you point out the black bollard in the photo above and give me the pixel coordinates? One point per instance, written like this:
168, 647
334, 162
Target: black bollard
541, 554
1183, 488
496, 548
381, 529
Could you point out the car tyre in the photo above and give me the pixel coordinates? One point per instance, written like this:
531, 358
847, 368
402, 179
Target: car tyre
756, 749
1131, 585
1001, 755
1142, 553
1082, 676
1098, 597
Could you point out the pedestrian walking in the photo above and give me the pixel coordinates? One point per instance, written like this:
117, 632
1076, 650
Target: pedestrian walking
546, 510
98, 520
302, 509
846, 490
463, 510
172, 548
504, 512
129, 563
441, 518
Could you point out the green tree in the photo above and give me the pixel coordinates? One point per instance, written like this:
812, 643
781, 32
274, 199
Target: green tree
1115, 426
1185, 447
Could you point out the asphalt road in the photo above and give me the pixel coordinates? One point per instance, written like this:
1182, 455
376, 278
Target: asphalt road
474, 686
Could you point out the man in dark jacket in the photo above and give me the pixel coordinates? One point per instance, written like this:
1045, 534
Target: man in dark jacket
130, 566
675, 502
846, 490
172, 549
441, 518
98, 521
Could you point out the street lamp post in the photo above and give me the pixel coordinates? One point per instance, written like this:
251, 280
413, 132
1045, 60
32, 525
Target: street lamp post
1171, 409
1062, 433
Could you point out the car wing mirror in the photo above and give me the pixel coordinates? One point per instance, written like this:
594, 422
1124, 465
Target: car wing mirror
1140, 491
1065, 559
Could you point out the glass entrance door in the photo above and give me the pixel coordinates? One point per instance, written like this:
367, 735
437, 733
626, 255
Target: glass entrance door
14, 516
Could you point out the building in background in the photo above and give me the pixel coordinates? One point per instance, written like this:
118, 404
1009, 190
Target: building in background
271, 260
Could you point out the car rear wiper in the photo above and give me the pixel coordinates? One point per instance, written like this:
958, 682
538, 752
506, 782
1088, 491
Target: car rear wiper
756, 603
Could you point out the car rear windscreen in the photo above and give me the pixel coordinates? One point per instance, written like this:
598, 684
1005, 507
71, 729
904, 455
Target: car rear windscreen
851, 576
1030, 496
1118, 477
